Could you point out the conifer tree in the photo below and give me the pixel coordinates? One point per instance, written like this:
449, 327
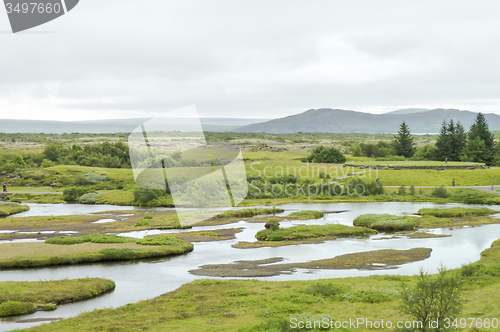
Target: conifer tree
443, 143
403, 142
480, 144
458, 142
450, 142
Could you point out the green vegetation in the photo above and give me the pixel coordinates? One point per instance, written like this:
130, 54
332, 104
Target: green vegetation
433, 299
480, 144
432, 177
367, 260
93, 238
90, 198
403, 142
380, 149
385, 222
21, 297
106, 248
253, 305
450, 142
160, 241
327, 155
306, 214
110, 155
7, 209
455, 212
13, 308
311, 231
32, 198
248, 213
344, 293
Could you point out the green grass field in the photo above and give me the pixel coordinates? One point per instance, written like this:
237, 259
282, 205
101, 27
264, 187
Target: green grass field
477, 177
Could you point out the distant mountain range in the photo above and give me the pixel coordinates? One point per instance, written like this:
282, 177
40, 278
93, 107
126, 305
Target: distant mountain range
115, 126
342, 121
326, 120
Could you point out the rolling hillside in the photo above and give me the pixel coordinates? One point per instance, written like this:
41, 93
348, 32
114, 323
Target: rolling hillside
342, 121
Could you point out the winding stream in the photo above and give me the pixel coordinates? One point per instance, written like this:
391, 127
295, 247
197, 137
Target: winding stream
142, 280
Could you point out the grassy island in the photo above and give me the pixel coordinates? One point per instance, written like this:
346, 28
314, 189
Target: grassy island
88, 249
23, 297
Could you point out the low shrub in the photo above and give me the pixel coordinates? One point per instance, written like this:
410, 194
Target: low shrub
248, 213
94, 178
46, 163
93, 238
148, 216
272, 225
440, 192
367, 296
412, 190
385, 222
64, 240
311, 231
326, 289
11, 308
323, 154
343, 293
159, 241
306, 214
402, 190
455, 212
48, 307
72, 194
141, 223
473, 196
90, 198
324, 175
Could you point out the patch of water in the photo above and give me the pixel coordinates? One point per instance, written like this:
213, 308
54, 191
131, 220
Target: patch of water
141, 280
103, 221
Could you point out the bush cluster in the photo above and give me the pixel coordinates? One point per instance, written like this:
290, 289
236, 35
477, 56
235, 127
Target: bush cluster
11, 308
385, 222
323, 154
90, 198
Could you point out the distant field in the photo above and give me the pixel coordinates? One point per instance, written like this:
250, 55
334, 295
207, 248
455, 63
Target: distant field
420, 177
370, 162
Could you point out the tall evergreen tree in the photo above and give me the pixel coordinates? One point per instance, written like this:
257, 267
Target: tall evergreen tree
443, 143
450, 142
459, 140
480, 144
403, 142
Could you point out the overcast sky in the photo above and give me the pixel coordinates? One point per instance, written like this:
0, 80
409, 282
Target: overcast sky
254, 59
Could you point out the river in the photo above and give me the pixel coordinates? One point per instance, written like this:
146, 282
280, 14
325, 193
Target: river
142, 280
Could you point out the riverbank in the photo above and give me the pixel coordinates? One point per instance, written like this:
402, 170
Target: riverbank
8, 208
22, 297
42, 227
453, 195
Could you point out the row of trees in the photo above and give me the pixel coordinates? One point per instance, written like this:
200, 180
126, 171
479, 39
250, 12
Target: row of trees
453, 144
111, 155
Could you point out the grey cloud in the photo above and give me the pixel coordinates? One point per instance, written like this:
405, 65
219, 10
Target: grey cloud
253, 58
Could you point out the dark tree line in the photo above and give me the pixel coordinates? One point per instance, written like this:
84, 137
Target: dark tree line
111, 155
453, 143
